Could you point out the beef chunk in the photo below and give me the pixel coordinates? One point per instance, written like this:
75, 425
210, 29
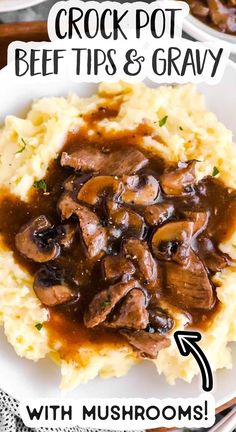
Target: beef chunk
93, 234
117, 266
118, 162
138, 251
147, 344
158, 213
87, 159
212, 257
104, 302
66, 235
132, 313
189, 284
176, 182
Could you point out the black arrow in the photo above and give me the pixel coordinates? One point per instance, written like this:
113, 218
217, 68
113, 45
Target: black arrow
186, 343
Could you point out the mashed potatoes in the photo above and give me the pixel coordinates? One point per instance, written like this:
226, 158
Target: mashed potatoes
26, 148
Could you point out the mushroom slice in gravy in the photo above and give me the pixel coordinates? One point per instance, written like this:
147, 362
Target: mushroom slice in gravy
51, 289
172, 241
97, 187
140, 190
176, 182
33, 242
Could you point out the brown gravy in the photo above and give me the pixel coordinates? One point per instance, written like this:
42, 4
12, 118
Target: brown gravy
66, 323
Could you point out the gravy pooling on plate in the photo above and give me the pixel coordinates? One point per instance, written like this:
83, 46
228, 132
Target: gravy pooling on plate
116, 239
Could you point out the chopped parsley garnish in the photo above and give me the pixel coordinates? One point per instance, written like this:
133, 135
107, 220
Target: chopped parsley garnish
163, 121
23, 146
40, 184
38, 326
180, 128
105, 303
215, 171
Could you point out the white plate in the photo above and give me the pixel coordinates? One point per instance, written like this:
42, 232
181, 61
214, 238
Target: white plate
12, 5
22, 378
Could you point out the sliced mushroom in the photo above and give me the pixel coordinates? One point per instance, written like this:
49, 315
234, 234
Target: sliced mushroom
139, 252
172, 241
158, 213
51, 289
189, 285
132, 313
160, 321
116, 267
34, 242
97, 187
104, 302
140, 190
128, 221
147, 344
177, 181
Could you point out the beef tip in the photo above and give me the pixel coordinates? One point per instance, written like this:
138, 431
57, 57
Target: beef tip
117, 266
139, 252
51, 289
147, 344
158, 213
88, 159
128, 161
66, 206
132, 313
93, 234
65, 235
172, 241
212, 257
35, 240
160, 321
140, 190
200, 220
222, 16
128, 221
97, 187
179, 181
104, 302
189, 284
119, 162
